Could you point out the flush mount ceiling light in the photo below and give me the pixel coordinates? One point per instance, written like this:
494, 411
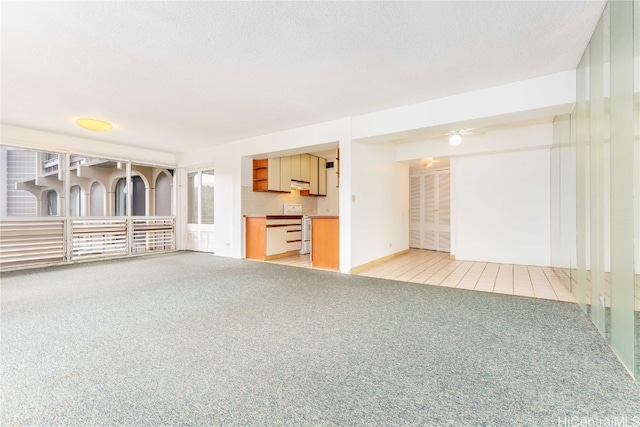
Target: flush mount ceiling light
426, 162
94, 124
455, 139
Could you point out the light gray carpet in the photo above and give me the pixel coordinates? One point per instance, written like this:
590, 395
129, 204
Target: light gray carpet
193, 339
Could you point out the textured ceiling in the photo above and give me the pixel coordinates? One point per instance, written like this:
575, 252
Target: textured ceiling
180, 75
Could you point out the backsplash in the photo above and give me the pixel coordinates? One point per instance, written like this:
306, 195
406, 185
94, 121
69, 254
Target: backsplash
257, 202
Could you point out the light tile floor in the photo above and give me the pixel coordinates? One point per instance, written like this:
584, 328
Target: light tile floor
435, 268
568, 277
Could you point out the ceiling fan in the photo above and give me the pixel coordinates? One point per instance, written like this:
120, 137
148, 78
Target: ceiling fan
455, 136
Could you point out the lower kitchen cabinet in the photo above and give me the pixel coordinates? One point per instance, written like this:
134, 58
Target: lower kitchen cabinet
272, 236
325, 242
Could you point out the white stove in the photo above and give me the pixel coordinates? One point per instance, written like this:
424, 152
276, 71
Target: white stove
296, 209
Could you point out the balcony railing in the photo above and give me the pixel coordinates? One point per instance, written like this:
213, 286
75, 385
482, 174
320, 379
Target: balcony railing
27, 242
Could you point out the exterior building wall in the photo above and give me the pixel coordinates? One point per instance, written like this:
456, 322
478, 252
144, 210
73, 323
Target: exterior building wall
20, 166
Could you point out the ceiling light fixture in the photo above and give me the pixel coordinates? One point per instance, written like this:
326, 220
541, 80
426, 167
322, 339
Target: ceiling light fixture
427, 162
94, 124
455, 139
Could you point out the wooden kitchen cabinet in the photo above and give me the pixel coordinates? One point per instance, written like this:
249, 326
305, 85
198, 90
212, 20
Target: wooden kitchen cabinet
325, 242
272, 236
273, 174
267, 176
317, 176
322, 176
304, 167
260, 175
285, 174
313, 176
276, 242
295, 167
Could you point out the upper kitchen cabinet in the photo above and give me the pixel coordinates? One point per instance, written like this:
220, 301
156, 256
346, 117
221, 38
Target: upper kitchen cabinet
313, 176
267, 176
322, 176
317, 177
277, 173
304, 167
273, 166
285, 173
260, 174
295, 167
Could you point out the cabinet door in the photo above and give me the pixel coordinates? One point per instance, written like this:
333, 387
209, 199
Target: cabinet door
304, 167
285, 173
313, 175
273, 182
295, 167
322, 176
276, 240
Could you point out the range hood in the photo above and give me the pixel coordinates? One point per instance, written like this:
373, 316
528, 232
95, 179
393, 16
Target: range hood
300, 185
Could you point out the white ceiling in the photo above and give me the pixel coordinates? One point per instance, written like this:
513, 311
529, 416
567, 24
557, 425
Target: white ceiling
176, 76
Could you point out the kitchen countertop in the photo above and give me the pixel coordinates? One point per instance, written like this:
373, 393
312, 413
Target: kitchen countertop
324, 216
268, 216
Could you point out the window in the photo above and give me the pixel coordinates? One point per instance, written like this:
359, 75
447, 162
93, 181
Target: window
207, 197
200, 197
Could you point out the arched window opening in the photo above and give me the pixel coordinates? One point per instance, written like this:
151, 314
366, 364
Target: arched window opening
96, 201
163, 195
75, 200
137, 197
52, 203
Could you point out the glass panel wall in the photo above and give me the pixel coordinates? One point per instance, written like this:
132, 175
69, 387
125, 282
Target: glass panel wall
607, 176
636, 174
563, 203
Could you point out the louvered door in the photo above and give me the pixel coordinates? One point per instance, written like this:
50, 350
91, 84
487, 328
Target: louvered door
443, 199
415, 211
429, 211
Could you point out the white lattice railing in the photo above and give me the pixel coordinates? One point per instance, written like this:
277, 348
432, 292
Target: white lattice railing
29, 241
98, 238
153, 235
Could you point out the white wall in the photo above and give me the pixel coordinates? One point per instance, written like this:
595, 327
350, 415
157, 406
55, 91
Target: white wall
502, 207
380, 185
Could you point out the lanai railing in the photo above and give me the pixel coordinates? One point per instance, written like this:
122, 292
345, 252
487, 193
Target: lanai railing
38, 241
